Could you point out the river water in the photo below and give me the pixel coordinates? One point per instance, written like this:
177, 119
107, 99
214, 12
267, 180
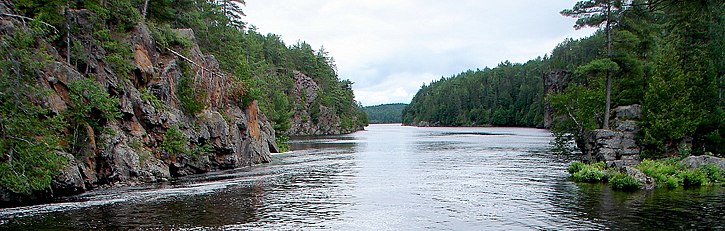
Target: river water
388, 177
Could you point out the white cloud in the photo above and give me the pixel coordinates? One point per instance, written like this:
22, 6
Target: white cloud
389, 48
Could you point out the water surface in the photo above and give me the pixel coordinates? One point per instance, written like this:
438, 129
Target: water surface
387, 178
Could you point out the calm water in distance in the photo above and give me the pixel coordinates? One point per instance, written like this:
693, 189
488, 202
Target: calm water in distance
388, 177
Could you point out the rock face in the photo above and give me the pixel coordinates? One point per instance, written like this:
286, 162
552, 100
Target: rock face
310, 116
223, 135
554, 82
616, 147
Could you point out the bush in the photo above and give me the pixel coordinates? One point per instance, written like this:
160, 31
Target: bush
590, 175
693, 177
191, 98
147, 95
669, 173
575, 166
714, 173
175, 142
29, 137
665, 172
165, 37
624, 182
281, 141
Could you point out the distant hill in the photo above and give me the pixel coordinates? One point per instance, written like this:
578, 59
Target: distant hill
385, 113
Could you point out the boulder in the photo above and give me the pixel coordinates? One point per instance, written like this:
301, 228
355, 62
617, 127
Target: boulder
645, 182
698, 161
69, 180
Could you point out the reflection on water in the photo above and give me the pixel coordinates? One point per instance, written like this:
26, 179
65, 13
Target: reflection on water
387, 178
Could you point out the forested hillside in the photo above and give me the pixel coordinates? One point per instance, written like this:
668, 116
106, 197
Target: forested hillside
508, 95
667, 56
385, 113
103, 92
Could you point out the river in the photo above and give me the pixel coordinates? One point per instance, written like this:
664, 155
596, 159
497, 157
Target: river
388, 177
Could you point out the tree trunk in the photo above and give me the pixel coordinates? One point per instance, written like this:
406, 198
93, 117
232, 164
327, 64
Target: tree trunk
608, 103
145, 7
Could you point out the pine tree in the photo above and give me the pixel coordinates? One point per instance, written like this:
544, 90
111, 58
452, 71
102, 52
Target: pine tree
594, 13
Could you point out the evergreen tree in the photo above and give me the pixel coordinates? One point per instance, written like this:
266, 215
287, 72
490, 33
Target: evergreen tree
594, 13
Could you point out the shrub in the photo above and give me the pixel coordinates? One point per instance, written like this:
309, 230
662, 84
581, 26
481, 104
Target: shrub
175, 142
281, 141
624, 182
165, 37
590, 173
186, 92
693, 177
119, 54
714, 173
575, 166
147, 95
665, 172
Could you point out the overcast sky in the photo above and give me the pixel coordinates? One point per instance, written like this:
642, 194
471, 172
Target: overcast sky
389, 48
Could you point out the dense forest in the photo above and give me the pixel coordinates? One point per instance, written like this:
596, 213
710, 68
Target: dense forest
667, 56
508, 95
45, 114
385, 113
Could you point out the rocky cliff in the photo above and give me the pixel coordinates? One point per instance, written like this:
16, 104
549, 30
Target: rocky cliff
155, 138
616, 146
310, 116
554, 82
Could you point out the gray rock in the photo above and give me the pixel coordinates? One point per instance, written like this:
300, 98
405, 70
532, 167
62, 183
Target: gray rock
618, 146
629, 112
646, 182
698, 161
69, 180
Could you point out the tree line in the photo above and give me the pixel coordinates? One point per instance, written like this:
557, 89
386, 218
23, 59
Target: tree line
666, 55
385, 113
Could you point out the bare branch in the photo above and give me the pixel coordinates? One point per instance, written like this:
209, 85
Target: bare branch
26, 18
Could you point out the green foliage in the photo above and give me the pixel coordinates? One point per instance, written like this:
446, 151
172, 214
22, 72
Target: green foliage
191, 98
386, 113
165, 37
149, 96
594, 13
579, 106
597, 66
175, 142
588, 173
665, 172
714, 173
90, 103
669, 118
29, 132
623, 182
123, 14
118, 52
669, 173
281, 141
509, 95
694, 177
575, 167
